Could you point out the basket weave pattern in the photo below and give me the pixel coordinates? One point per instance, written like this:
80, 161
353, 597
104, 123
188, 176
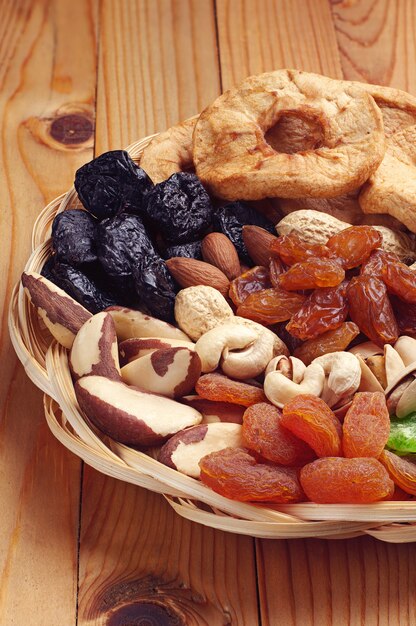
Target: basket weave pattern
46, 364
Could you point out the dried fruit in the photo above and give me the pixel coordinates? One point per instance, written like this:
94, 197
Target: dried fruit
311, 274
405, 314
73, 237
190, 250
258, 241
400, 280
263, 433
331, 341
255, 279
230, 220
310, 418
402, 471
378, 259
112, 183
371, 310
352, 481
235, 474
324, 310
276, 268
180, 208
270, 306
366, 425
402, 437
354, 245
82, 288
154, 285
222, 389
292, 249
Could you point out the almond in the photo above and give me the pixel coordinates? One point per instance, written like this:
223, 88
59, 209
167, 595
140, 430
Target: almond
190, 272
258, 242
218, 250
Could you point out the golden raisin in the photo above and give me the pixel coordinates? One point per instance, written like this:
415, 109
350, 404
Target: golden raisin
255, 279
325, 309
312, 274
371, 310
270, 306
331, 341
354, 245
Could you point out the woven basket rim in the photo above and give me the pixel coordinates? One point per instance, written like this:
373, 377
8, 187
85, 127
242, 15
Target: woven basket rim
46, 364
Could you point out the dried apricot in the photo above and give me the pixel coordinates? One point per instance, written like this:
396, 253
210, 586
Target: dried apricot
354, 245
312, 274
255, 279
263, 433
235, 474
371, 310
222, 389
292, 249
366, 425
400, 280
402, 471
324, 310
336, 480
378, 259
270, 306
310, 418
331, 341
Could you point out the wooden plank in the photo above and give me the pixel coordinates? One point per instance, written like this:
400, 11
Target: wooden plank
47, 78
138, 559
377, 41
257, 37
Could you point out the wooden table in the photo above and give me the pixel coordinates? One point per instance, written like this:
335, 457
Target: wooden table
79, 77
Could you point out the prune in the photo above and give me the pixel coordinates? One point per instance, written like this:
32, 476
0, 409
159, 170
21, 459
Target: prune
400, 280
310, 418
82, 288
230, 220
235, 474
292, 249
263, 433
121, 242
155, 286
190, 250
250, 282
332, 341
366, 425
73, 237
371, 310
270, 306
112, 183
402, 437
354, 245
350, 481
47, 269
324, 310
311, 274
180, 208
222, 389
402, 471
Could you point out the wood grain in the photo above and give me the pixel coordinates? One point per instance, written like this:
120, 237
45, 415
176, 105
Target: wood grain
45, 72
257, 37
377, 41
138, 559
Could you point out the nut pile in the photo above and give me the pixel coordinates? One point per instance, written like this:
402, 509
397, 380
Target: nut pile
267, 351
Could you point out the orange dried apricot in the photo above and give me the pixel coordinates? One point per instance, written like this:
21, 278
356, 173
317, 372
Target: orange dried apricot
255, 279
312, 274
263, 433
336, 480
270, 306
354, 245
223, 389
235, 474
324, 310
402, 471
371, 310
331, 341
310, 418
366, 425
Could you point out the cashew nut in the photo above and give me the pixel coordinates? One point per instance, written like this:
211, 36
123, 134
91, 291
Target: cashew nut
291, 367
279, 389
344, 375
216, 347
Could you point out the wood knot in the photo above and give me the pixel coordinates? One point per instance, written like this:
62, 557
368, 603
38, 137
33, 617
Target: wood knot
72, 129
144, 614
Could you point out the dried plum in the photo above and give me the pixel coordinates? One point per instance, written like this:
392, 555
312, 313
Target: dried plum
121, 242
155, 286
112, 183
190, 250
73, 237
47, 269
82, 288
230, 220
180, 207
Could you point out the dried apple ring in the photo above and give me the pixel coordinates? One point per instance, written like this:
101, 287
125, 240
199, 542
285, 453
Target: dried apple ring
234, 160
169, 152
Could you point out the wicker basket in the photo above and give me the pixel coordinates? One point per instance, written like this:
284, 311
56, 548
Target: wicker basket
46, 364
